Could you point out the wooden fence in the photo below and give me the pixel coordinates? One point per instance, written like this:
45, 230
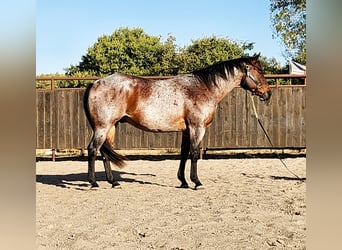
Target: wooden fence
61, 123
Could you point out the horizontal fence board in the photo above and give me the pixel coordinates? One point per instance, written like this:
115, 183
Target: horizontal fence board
61, 122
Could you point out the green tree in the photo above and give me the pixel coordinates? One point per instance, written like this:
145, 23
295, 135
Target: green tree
134, 52
271, 66
288, 18
209, 50
130, 51
46, 84
168, 64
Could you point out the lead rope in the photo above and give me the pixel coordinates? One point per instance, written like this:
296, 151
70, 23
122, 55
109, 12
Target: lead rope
269, 140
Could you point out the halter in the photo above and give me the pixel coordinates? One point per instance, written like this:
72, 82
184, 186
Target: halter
249, 74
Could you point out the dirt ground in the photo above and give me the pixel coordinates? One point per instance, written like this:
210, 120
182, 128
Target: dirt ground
250, 203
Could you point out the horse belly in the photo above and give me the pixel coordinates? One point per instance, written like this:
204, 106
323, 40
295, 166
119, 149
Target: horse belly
162, 110
161, 118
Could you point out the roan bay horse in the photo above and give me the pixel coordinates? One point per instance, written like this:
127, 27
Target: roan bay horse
184, 103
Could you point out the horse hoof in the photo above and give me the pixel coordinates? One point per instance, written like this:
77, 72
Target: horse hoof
184, 186
94, 185
115, 184
197, 185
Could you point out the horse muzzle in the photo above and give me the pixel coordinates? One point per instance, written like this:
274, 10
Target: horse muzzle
265, 96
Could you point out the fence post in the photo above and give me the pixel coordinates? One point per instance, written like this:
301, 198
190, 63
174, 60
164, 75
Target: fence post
53, 154
52, 84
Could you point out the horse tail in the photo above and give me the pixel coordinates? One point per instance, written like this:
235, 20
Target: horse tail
107, 150
86, 105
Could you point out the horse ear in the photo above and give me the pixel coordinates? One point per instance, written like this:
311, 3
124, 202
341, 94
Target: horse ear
256, 56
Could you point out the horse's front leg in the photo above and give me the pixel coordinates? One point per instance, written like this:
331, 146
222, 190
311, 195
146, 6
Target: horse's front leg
193, 171
196, 136
185, 148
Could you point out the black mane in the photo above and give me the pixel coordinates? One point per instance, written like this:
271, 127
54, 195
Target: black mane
209, 75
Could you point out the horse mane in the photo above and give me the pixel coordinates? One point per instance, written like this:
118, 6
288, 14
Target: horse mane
210, 74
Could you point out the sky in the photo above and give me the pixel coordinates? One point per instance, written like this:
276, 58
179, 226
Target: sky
66, 29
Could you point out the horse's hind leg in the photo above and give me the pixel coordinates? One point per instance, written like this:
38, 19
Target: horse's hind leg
91, 163
96, 142
108, 169
106, 161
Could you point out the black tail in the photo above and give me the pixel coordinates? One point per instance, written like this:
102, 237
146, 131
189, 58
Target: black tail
114, 157
106, 149
85, 105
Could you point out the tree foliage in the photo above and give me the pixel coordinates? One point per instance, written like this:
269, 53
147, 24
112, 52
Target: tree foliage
46, 84
288, 18
209, 50
134, 52
128, 51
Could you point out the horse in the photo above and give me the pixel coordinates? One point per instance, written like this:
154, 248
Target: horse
185, 103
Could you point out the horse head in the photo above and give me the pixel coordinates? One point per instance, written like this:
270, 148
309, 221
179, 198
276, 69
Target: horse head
254, 79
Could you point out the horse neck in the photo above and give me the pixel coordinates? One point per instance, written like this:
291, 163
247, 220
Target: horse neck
224, 86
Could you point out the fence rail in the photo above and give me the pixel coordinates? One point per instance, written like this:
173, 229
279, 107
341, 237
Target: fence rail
52, 80
61, 123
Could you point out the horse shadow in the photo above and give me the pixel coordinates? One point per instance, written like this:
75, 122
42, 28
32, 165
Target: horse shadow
79, 180
273, 177
286, 178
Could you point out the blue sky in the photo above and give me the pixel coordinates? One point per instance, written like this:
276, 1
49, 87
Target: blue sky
66, 29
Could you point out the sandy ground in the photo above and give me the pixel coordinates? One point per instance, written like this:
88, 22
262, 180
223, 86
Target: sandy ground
243, 204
